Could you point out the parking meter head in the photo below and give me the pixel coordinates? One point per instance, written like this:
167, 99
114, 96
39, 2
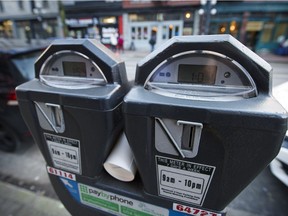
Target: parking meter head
73, 107
221, 45
201, 121
85, 59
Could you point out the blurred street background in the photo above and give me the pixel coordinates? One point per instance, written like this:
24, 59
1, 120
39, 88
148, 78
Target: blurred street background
262, 26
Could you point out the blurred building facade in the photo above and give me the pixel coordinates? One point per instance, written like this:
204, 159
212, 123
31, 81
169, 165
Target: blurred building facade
257, 24
135, 20
28, 20
93, 19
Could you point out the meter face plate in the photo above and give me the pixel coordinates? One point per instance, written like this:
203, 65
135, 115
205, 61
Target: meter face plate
71, 69
203, 76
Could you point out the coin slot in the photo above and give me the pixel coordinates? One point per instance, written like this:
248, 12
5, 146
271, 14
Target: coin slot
187, 140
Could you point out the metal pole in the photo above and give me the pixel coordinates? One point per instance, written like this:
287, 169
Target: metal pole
208, 17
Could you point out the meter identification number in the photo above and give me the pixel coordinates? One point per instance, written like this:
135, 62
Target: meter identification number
193, 211
182, 182
61, 173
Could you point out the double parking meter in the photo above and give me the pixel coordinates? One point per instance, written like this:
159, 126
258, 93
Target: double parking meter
200, 124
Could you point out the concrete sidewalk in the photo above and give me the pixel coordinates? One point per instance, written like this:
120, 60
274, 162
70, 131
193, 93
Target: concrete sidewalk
16, 201
272, 58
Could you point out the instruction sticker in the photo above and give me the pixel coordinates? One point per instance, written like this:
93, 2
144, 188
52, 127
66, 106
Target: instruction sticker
182, 180
116, 204
65, 152
119, 205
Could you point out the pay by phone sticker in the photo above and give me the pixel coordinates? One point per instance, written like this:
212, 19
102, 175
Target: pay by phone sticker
64, 152
116, 204
182, 180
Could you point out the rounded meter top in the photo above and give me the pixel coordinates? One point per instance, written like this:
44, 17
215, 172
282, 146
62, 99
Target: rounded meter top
212, 67
79, 64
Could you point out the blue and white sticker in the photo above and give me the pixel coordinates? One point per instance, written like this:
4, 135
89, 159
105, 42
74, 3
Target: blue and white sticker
72, 187
119, 205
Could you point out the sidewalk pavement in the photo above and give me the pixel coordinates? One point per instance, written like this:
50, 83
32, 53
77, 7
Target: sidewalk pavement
273, 58
16, 201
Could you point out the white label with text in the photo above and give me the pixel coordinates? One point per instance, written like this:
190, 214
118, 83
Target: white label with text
182, 180
64, 152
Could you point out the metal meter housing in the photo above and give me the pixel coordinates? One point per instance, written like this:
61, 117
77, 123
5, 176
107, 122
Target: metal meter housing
201, 120
73, 107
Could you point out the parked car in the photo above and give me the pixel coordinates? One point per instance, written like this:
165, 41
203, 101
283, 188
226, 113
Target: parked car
16, 67
279, 166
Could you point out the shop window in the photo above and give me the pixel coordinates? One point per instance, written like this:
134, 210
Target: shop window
164, 33
20, 5
139, 33
108, 20
142, 18
45, 4
281, 30
176, 31
133, 17
145, 33
267, 32
133, 34
1, 7
7, 29
187, 30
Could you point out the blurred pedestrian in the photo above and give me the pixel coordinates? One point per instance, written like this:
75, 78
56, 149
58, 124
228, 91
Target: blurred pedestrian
152, 40
113, 41
120, 44
132, 46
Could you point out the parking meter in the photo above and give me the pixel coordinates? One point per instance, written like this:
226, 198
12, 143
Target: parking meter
73, 107
201, 121
200, 124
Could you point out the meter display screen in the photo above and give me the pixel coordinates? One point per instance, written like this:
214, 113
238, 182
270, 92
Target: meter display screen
77, 69
199, 74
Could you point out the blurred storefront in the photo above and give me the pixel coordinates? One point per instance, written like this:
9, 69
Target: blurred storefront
256, 24
135, 20
28, 20
93, 19
164, 19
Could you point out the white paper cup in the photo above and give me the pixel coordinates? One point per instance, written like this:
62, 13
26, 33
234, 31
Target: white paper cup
120, 163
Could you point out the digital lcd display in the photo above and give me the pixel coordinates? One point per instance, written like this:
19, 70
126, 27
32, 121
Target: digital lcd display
198, 74
75, 69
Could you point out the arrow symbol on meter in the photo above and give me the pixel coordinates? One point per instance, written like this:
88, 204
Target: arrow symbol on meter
66, 182
167, 132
